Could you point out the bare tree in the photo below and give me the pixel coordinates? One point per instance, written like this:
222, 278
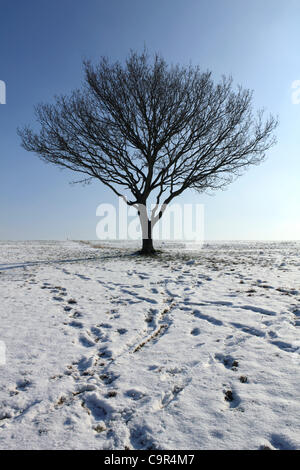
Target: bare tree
144, 128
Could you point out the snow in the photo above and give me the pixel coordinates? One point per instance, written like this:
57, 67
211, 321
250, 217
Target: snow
187, 350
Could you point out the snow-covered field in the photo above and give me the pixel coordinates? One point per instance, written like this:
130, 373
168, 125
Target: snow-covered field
108, 350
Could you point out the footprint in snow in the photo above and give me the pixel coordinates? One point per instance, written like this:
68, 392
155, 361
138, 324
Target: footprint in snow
75, 314
104, 325
154, 290
76, 324
134, 394
85, 363
99, 409
85, 341
195, 332
122, 331
141, 438
23, 385
282, 442
228, 361
105, 353
232, 398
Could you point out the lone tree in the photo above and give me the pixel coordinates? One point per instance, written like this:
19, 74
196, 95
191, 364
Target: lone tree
144, 128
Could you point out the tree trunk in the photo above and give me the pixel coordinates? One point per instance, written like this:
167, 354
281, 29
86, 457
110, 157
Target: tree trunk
147, 248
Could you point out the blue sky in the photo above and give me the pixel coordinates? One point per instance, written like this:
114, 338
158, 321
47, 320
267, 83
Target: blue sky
42, 44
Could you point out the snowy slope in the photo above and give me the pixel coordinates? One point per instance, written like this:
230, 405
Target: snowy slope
107, 350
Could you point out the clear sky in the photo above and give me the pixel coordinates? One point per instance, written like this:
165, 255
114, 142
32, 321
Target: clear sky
42, 44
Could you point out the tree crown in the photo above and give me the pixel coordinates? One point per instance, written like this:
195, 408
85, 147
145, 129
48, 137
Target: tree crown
150, 128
